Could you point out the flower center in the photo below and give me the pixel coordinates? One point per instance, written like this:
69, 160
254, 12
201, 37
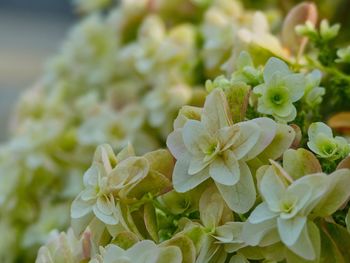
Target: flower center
211, 149
287, 206
277, 98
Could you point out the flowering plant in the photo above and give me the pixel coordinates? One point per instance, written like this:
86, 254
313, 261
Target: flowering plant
210, 138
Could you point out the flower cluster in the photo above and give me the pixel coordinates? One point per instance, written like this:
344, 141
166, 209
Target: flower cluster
236, 191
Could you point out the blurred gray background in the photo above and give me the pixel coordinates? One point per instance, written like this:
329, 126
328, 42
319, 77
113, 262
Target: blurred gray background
31, 31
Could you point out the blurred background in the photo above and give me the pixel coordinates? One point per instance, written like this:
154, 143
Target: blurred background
31, 31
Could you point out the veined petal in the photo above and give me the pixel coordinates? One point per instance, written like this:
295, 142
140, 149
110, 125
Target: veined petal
249, 136
183, 181
268, 129
290, 229
253, 234
272, 189
241, 196
308, 244
197, 165
228, 136
196, 138
216, 113
225, 169
261, 213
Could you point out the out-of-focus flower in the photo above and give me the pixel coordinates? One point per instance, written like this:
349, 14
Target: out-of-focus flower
64, 247
313, 92
144, 251
322, 142
344, 55
163, 104
328, 32
280, 89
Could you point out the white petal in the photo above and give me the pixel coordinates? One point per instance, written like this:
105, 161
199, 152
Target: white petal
261, 213
290, 229
144, 252
317, 128
274, 65
225, 169
176, 144
305, 246
253, 234
197, 165
216, 113
107, 219
268, 129
296, 84
241, 196
80, 207
249, 136
183, 181
272, 189
196, 138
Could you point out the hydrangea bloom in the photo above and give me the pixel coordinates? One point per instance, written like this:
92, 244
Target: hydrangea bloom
280, 89
216, 148
289, 206
322, 142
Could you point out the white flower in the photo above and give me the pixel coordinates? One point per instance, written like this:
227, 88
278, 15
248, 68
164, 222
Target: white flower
107, 176
215, 148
